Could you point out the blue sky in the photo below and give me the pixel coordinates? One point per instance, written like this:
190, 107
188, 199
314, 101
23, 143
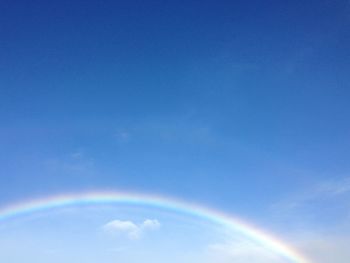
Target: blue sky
240, 105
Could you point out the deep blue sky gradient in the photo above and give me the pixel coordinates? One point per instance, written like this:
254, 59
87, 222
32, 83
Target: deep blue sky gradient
237, 104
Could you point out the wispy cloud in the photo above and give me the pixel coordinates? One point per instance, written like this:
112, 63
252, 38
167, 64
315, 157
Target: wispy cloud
240, 251
325, 248
122, 135
333, 187
322, 191
319, 216
130, 229
320, 248
72, 163
183, 128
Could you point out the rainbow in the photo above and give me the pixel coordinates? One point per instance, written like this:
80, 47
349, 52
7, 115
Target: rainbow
266, 240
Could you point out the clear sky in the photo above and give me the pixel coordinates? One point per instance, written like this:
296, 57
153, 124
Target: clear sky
238, 105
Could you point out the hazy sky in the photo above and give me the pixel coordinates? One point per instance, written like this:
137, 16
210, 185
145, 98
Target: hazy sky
239, 105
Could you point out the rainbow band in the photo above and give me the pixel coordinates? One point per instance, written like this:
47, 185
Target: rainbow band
266, 240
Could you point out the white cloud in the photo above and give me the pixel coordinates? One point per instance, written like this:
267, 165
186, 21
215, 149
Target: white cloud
151, 224
126, 227
130, 229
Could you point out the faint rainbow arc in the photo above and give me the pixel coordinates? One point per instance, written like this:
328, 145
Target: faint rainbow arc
266, 240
